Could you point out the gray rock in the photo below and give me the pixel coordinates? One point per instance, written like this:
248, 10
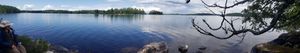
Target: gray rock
156, 47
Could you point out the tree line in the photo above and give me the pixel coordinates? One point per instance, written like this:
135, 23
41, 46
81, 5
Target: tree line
8, 9
12, 9
109, 11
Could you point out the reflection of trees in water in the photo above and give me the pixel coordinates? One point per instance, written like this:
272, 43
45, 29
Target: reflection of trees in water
96, 15
123, 17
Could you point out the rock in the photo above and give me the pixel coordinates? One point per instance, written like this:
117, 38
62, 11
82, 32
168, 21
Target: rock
49, 52
183, 49
156, 47
285, 43
201, 50
61, 49
272, 48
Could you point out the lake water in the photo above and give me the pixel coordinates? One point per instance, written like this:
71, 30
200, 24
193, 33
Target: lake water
128, 33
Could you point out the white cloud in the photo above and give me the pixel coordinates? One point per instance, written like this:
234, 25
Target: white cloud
235, 9
27, 7
195, 6
145, 1
64, 6
167, 6
148, 9
49, 7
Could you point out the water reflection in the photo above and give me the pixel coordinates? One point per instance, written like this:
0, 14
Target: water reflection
124, 18
127, 33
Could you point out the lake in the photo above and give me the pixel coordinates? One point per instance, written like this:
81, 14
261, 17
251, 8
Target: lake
128, 33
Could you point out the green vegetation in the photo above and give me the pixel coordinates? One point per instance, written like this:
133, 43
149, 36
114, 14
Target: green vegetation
65, 11
110, 11
263, 16
8, 9
34, 46
125, 11
155, 12
234, 14
286, 13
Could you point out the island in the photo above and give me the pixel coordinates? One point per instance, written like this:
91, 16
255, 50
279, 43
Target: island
155, 12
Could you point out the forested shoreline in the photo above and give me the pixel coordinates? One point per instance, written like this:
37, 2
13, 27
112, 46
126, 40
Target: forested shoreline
109, 11
8, 9
12, 9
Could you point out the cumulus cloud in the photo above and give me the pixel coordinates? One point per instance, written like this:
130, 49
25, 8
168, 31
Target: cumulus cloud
66, 7
195, 6
27, 7
167, 6
48, 7
148, 9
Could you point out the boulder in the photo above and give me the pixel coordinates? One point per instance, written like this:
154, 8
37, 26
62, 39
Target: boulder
285, 43
156, 47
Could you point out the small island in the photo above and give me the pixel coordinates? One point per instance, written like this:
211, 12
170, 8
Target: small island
155, 12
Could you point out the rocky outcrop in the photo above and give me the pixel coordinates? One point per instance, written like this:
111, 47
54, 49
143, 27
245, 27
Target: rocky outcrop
156, 47
285, 43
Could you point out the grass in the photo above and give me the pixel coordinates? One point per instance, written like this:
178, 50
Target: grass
34, 45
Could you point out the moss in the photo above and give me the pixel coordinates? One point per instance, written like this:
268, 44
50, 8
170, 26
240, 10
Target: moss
34, 45
272, 48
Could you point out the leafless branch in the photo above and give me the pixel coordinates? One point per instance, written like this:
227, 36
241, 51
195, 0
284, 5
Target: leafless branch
202, 31
214, 28
235, 4
231, 28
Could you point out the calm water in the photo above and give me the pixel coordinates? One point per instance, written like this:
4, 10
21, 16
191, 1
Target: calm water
125, 33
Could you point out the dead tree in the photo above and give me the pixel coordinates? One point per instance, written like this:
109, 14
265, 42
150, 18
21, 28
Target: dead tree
231, 31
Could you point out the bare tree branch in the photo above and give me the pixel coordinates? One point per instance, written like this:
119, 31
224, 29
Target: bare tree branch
202, 31
232, 29
235, 4
214, 28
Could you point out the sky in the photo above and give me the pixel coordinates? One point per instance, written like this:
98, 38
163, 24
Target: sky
166, 6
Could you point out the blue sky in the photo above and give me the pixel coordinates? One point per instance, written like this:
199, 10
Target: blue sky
167, 6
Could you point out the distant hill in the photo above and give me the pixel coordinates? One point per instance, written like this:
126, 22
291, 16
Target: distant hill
229, 14
234, 14
201, 14
64, 11
8, 9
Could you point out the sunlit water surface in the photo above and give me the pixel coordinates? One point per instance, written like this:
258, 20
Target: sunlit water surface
128, 33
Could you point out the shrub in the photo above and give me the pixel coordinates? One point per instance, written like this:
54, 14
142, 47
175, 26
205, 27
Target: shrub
34, 46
